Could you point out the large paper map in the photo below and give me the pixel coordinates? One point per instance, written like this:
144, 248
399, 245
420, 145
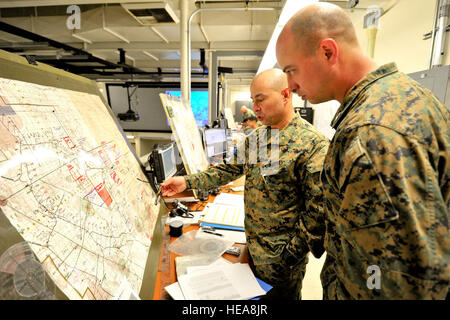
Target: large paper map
70, 186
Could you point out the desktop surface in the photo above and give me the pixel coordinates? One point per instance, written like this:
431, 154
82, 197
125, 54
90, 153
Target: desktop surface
166, 269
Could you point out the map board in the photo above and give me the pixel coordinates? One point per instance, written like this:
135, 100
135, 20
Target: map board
186, 133
70, 184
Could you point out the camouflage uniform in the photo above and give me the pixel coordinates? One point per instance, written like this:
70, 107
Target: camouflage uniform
283, 211
386, 182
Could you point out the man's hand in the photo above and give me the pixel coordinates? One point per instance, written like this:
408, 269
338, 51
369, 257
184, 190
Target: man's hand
173, 186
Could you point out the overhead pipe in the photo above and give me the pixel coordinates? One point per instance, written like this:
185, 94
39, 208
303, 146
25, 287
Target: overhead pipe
186, 42
184, 80
433, 32
440, 38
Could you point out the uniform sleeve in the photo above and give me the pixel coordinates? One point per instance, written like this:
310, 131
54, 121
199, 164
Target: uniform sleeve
311, 222
214, 177
393, 217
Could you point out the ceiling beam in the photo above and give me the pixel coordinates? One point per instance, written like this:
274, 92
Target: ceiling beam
25, 45
57, 45
159, 46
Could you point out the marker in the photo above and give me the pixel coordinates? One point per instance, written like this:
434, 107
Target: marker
214, 233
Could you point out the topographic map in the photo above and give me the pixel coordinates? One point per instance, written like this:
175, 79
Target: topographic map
70, 186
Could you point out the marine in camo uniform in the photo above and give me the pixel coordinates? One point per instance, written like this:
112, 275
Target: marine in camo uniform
249, 120
386, 174
247, 113
283, 199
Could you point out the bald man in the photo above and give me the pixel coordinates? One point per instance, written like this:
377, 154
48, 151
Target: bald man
246, 112
386, 175
283, 198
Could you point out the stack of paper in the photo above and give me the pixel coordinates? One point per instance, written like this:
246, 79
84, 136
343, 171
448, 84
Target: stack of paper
227, 211
217, 281
223, 215
230, 199
182, 263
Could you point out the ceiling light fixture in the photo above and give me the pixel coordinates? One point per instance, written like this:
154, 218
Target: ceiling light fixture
291, 7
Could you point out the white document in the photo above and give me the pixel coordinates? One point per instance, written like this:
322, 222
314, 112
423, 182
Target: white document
224, 214
230, 199
175, 291
244, 280
212, 285
216, 264
231, 235
224, 282
184, 262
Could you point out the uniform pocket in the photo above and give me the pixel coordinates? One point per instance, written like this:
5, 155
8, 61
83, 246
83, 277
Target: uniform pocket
365, 199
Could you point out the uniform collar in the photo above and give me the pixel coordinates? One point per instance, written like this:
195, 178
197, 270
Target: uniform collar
295, 119
351, 95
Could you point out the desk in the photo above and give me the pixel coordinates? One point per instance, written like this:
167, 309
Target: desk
166, 268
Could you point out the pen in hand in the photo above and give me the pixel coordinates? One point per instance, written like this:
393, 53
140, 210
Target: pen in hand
158, 196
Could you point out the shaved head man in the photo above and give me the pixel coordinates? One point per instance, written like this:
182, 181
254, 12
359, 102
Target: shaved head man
266, 89
283, 199
319, 52
386, 176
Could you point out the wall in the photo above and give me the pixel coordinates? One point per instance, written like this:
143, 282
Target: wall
400, 35
237, 93
399, 39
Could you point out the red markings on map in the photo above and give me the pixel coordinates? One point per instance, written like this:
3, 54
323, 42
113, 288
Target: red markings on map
69, 142
75, 174
103, 193
116, 178
104, 157
2, 203
86, 185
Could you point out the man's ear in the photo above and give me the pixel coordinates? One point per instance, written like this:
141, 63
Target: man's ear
286, 93
329, 49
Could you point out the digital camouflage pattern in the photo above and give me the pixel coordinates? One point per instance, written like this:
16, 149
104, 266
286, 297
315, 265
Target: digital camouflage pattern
386, 185
284, 209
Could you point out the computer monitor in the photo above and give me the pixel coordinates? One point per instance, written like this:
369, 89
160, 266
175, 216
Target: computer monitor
215, 141
199, 104
164, 162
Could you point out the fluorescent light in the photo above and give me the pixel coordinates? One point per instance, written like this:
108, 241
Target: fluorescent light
291, 7
150, 55
81, 38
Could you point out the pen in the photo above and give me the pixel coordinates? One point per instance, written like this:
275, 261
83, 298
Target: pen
214, 233
158, 196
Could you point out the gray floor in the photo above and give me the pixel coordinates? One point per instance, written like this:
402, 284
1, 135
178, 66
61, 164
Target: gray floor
312, 287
